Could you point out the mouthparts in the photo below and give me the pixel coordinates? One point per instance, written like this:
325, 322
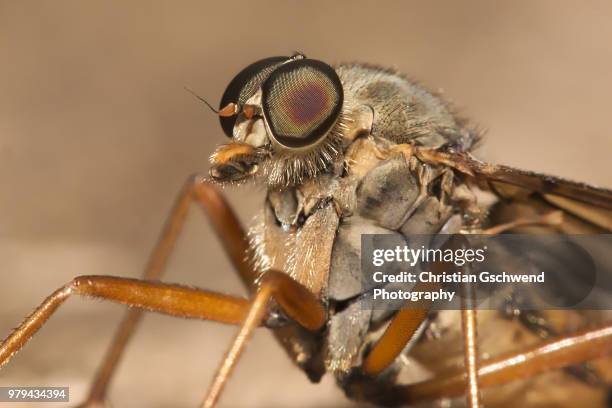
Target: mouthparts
235, 161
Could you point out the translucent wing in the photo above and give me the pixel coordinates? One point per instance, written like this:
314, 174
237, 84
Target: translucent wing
588, 209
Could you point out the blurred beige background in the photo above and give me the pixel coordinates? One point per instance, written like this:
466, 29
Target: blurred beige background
97, 135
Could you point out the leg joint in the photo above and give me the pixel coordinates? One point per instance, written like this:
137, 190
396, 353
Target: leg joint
297, 301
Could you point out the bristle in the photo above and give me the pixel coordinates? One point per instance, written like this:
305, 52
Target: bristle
259, 258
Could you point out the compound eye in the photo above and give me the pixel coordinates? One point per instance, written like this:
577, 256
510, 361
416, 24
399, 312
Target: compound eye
244, 85
301, 101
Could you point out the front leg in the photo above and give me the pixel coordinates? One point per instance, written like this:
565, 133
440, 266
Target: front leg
232, 237
295, 300
159, 297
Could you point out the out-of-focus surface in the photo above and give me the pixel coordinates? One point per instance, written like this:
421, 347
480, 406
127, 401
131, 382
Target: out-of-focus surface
97, 134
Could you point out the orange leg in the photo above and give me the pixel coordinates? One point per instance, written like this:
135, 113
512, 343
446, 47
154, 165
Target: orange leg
568, 350
295, 300
469, 325
399, 332
154, 296
234, 241
406, 322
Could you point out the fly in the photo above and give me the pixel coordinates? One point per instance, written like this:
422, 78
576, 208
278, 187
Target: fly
344, 151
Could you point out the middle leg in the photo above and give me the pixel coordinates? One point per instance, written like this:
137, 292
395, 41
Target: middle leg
294, 299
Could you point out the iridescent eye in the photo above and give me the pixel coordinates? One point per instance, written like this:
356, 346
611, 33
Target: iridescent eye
244, 85
301, 101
